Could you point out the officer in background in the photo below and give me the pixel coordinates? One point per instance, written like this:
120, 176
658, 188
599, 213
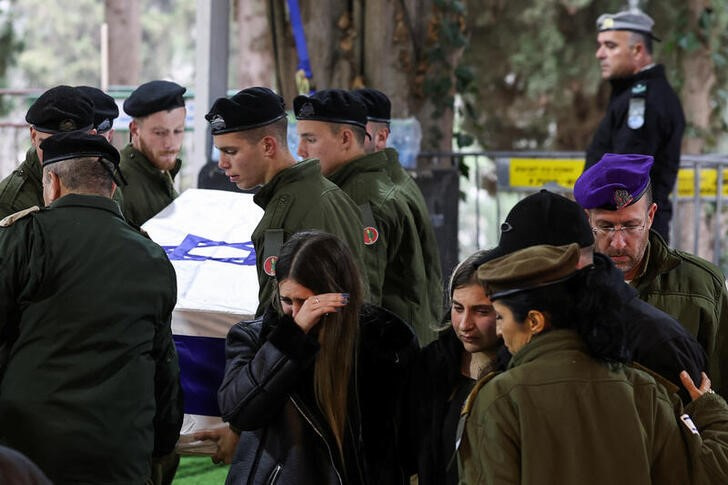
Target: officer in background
617, 195
379, 116
60, 109
332, 127
105, 111
644, 114
250, 130
150, 162
89, 388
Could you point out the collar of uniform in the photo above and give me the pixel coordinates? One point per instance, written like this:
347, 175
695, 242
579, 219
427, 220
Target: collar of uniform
655, 72
547, 343
371, 162
298, 171
90, 201
659, 259
32, 166
137, 158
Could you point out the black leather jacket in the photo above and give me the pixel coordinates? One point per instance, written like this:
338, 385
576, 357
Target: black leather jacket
267, 394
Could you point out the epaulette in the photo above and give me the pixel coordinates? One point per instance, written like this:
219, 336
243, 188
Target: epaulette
12, 218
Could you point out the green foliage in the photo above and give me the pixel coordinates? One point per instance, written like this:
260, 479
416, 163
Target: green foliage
537, 83
10, 45
62, 41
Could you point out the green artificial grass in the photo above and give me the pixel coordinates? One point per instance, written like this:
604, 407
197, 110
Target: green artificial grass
199, 470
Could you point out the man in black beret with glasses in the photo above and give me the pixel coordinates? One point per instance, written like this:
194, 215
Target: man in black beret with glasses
60, 109
89, 377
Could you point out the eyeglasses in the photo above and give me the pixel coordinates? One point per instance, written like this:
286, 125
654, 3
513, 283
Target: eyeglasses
610, 231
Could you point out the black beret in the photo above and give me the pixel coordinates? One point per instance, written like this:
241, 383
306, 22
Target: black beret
154, 96
61, 109
544, 218
105, 108
333, 106
379, 108
76, 144
529, 268
248, 109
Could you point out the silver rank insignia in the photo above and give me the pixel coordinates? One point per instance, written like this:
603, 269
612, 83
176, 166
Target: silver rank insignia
636, 115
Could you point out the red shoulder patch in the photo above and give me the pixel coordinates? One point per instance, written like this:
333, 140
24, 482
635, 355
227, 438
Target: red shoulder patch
371, 235
269, 265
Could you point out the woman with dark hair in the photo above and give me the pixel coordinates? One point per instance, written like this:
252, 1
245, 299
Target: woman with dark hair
315, 391
445, 371
568, 410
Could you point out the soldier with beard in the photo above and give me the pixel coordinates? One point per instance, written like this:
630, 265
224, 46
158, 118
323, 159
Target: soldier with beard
617, 195
150, 161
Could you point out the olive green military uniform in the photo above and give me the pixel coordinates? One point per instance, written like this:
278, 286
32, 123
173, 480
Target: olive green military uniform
412, 196
296, 199
148, 190
693, 292
559, 416
90, 389
24, 187
393, 256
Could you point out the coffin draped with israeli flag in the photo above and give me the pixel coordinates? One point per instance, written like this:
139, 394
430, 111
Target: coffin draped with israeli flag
207, 236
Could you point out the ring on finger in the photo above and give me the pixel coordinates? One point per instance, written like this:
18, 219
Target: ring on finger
315, 298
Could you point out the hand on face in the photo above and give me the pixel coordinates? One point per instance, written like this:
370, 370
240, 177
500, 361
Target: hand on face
317, 306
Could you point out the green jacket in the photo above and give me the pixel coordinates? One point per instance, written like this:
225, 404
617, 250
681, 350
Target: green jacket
90, 381
412, 196
148, 190
557, 416
693, 292
23, 188
296, 199
393, 256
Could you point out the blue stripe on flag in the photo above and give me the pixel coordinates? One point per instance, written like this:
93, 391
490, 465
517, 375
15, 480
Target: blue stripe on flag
202, 367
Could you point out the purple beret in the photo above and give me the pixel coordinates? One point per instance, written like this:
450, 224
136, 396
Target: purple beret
614, 182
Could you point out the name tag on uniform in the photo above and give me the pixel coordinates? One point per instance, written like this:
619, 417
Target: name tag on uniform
689, 424
636, 116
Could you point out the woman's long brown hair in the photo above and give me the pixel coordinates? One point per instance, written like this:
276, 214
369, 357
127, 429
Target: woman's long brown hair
323, 263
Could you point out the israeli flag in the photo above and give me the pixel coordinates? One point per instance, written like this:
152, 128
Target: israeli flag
207, 236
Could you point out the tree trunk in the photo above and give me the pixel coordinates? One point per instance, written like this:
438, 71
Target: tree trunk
700, 78
699, 81
256, 66
383, 44
125, 35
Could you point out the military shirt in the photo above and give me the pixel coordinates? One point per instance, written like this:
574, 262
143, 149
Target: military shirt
24, 187
393, 256
90, 387
692, 291
148, 189
299, 198
412, 196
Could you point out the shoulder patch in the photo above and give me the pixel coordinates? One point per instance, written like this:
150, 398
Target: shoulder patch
639, 88
12, 218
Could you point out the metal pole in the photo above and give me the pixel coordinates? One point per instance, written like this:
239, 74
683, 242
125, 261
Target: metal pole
718, 212
697, 207
211, 74
477, 202
104, 57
